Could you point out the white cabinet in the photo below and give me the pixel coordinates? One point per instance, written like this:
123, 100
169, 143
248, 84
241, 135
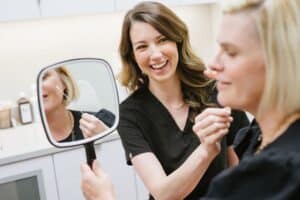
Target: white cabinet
128, 4
191, 2
30, 9
39, 168
112, 160
67, 170
16, 9
75, 7
141, 191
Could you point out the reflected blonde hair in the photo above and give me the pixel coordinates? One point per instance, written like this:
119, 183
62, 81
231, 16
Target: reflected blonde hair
71, 92
196, 87
278, 25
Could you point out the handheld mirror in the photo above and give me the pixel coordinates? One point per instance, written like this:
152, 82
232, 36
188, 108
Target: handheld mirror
78, 103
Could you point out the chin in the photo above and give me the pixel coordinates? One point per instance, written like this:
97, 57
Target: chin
227, 101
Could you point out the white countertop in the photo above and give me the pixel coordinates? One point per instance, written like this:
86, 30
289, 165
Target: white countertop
28, 141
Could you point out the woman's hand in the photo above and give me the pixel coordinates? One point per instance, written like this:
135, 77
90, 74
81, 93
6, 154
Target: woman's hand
95, 184
211, 126
91, 125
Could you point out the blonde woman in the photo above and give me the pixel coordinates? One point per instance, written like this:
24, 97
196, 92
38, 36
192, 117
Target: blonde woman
59, 90
259, 62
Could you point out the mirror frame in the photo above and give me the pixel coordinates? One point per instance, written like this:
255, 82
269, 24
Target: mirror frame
43, 116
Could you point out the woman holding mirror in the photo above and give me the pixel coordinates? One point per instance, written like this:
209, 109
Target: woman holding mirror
257, 69
171, 109
59, 89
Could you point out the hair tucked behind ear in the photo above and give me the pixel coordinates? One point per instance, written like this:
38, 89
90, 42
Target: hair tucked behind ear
71, 91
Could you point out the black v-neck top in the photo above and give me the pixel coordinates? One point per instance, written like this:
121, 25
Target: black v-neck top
107, 117
147, 126
274, 173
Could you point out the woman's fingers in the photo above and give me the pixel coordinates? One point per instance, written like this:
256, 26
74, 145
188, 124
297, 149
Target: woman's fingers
222, 112
212, 120
210, 73
212, 123
209, 130
91, 125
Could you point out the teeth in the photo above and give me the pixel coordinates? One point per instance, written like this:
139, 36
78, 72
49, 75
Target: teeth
157, 66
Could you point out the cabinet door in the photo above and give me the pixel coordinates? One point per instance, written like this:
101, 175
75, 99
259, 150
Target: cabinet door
67, 169
25, 179
16, 9
112, 160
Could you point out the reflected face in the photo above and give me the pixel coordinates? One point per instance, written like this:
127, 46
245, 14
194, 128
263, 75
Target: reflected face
53, 88
239, 63
156, 55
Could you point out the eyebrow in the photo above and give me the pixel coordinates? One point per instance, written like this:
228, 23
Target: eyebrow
226, 45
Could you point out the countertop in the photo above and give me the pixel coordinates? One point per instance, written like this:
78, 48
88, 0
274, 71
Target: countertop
30, 141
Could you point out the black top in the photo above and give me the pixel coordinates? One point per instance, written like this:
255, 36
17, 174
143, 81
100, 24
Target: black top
274, 173
107, 117
147, 126
247, 140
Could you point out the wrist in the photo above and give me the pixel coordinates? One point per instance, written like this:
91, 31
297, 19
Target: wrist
208, 153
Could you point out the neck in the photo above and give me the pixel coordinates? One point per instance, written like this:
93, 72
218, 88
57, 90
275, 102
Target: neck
59, 122
169, 93
273, 124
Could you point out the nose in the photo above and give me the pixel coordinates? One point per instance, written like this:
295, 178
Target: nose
155, 53
214, 67
216, 64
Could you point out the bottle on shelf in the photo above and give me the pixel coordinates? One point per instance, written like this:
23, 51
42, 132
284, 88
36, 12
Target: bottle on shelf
25, 109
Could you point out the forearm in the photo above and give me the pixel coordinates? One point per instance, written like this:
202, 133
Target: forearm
183, 180
233, 159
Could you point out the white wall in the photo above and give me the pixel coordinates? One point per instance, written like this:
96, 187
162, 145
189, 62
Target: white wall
27, 46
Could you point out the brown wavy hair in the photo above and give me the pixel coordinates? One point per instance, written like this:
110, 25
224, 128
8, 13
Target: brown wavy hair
196, 87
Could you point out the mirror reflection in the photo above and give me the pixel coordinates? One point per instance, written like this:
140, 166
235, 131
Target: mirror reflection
78, 101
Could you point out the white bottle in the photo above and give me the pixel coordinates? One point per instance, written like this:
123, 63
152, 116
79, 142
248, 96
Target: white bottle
25, 109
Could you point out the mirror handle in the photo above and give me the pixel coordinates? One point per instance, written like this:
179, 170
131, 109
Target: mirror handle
90, 153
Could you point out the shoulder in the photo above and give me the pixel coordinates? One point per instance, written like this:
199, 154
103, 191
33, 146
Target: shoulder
135, 99
276, 172
136, 108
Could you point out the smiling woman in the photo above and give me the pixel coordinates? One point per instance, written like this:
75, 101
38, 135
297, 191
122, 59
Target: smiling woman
171, 128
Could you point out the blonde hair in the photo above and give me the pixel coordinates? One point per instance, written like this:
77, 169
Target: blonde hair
278, 25
71, 92
196, 87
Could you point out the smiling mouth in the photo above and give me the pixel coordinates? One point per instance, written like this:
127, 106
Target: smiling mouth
159, 66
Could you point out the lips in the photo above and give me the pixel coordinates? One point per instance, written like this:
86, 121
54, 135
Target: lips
222, 84
159, 66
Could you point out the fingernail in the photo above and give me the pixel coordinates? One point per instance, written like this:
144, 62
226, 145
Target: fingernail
210, 73
228, 110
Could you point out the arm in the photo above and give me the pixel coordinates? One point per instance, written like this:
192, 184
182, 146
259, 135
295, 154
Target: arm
233, 159
183, 180
180, 182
